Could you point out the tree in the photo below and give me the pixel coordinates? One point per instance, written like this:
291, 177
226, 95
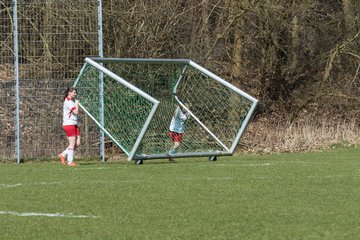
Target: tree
351, 9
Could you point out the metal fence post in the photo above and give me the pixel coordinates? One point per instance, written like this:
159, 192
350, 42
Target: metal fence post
16, 77
101, 81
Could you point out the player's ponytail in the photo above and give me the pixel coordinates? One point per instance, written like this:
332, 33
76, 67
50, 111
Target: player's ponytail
66, 93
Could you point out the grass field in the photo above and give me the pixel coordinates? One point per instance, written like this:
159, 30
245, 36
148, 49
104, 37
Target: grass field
284, 196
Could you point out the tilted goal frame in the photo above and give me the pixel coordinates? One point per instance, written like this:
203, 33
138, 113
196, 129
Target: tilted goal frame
134, 154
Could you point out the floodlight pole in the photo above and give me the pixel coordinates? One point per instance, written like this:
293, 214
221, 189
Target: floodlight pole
101, 82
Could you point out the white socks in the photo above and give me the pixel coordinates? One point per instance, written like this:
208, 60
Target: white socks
64, 153
70, 155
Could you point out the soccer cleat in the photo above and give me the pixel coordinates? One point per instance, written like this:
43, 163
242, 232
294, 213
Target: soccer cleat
62, 159
72, 164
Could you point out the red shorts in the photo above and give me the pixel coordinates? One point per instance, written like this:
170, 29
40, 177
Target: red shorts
71, 130
176, 137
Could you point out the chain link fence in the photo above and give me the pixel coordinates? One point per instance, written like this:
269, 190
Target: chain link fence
54, 37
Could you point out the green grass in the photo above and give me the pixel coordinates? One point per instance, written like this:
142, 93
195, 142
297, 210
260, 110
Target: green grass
284, 196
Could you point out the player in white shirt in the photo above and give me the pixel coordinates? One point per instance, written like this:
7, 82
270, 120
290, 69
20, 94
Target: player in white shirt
70, 121
177, 127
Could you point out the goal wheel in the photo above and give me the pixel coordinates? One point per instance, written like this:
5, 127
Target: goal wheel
212, 158
139, 162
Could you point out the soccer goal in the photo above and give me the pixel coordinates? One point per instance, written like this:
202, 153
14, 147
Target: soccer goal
133, 100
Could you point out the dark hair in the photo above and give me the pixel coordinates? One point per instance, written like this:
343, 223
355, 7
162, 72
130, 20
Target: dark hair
69, 89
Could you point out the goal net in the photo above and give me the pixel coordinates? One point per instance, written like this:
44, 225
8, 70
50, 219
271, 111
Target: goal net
133, 100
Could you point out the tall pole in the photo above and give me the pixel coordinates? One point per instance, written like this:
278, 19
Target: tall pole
101, 82
16, 76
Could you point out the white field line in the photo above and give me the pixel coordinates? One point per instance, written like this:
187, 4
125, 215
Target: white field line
259, 164
239, 165
46, 183
120, 181
219, 179
34, 214
13, 185
4, 185
92, 168
245, 164
334, 176
309, 177
304, 162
